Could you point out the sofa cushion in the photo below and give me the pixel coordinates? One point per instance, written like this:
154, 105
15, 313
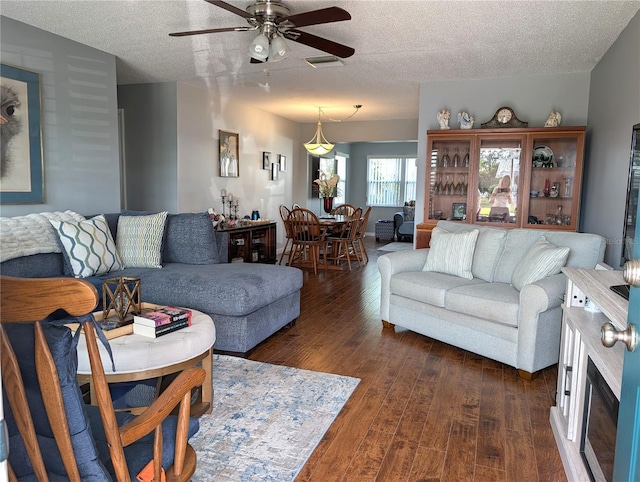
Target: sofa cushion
88, 246
139, 240
497, 302
426, 286
451, 253
542, 260
488, 247
190, 239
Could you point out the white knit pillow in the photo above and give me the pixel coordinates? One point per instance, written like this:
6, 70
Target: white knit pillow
542, 260
89, 247
451, 253
139, 240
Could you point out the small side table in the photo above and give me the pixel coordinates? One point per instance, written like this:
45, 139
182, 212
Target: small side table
139, 357
384, 229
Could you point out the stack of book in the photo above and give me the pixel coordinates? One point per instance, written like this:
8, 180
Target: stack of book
161, 321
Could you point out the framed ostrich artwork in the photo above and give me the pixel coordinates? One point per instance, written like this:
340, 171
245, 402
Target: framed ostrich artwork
21, 169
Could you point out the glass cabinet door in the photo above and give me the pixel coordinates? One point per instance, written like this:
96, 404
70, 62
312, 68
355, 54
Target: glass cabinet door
449, 178
499, 179
554, 182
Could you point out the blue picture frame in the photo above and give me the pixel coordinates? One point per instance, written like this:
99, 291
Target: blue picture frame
21, 166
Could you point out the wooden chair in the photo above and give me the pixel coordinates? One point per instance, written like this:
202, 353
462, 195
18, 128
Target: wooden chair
343, 210
284, 214
342, 247
308, 238
39, 379
358, 242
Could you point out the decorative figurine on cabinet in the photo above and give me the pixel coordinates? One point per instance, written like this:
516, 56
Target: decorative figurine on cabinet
465, 120
443, 119
554, 119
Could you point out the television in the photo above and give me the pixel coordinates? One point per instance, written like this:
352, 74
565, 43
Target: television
629, 234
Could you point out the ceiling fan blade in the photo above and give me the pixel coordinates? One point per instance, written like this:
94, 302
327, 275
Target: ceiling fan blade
256, 61
315, 17
319, 43
230, 8
211, 30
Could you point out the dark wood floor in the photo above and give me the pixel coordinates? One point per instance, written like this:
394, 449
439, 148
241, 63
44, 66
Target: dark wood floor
424, 410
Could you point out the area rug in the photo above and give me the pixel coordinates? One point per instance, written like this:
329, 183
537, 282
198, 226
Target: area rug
266, 420
396, 247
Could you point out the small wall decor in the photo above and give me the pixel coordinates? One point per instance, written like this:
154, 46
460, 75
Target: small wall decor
282, 160
459, 211
443, 118
266, 160
554, 119
229, 154
21, 169
275, 167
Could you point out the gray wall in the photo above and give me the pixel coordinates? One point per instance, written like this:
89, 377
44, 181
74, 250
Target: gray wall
79, 119
150, 132
614, 107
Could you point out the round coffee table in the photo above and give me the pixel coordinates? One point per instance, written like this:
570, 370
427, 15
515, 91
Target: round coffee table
138, 357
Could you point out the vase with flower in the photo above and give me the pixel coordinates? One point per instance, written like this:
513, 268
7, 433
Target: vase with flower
327, 188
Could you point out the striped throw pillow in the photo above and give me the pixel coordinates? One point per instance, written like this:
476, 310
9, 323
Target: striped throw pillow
139, 240
451, 253
89, 246
542, 260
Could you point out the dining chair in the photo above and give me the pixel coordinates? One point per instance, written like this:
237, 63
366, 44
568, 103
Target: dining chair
284, 214
343, 210
52, 433
307, 237
342, 239
358, 242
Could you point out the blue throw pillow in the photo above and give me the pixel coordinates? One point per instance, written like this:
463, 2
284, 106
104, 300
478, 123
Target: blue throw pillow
190, 239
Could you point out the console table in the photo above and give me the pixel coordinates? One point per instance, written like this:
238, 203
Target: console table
580, 342
254, 243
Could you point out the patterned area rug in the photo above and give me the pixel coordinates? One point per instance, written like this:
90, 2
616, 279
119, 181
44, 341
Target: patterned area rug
396, 247
266, 420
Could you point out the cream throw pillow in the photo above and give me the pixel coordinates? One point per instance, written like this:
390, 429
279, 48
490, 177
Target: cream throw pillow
451, 253
543, 259
139, 240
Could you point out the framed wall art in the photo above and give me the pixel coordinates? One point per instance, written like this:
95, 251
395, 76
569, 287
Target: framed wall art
282, 160
21, 168
266, 160
229, 154
274, 171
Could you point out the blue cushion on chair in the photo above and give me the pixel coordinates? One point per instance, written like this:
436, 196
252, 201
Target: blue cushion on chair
61, 346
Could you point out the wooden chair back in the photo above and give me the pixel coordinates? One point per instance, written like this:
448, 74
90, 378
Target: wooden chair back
307, 235
284, 215
343, 210
27, 300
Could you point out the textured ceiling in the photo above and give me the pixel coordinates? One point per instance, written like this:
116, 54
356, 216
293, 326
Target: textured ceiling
398, 45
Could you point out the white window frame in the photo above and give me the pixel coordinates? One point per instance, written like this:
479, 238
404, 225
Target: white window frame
404, 189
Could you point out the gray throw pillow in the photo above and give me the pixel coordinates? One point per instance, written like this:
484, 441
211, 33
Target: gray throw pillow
190, 239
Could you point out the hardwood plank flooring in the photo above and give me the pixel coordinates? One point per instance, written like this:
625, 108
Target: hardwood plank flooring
424, 410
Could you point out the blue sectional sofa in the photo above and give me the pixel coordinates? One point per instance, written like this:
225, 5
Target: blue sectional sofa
247, 302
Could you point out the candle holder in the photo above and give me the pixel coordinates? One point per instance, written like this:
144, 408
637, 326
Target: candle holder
235, 211
122, 295
230, 204
224, 199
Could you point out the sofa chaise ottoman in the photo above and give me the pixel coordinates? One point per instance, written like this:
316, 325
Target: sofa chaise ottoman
247, 302
492, 291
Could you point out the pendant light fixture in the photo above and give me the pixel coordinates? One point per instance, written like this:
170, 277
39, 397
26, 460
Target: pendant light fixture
318, 145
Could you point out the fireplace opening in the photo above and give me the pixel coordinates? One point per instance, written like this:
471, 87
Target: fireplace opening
599, 424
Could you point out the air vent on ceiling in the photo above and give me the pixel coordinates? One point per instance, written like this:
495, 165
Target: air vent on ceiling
324, 61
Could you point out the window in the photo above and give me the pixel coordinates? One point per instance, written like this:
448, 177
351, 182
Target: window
391, 181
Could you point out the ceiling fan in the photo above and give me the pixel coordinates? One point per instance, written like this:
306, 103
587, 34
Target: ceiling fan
274, 22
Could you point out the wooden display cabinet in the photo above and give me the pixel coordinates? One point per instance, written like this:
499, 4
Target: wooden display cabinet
252, 243
465, 168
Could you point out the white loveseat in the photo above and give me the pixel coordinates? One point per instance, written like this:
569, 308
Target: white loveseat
499, 310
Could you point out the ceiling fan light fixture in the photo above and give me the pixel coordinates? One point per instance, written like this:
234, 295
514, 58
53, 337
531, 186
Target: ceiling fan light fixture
278, 49
318, 145
259, 48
